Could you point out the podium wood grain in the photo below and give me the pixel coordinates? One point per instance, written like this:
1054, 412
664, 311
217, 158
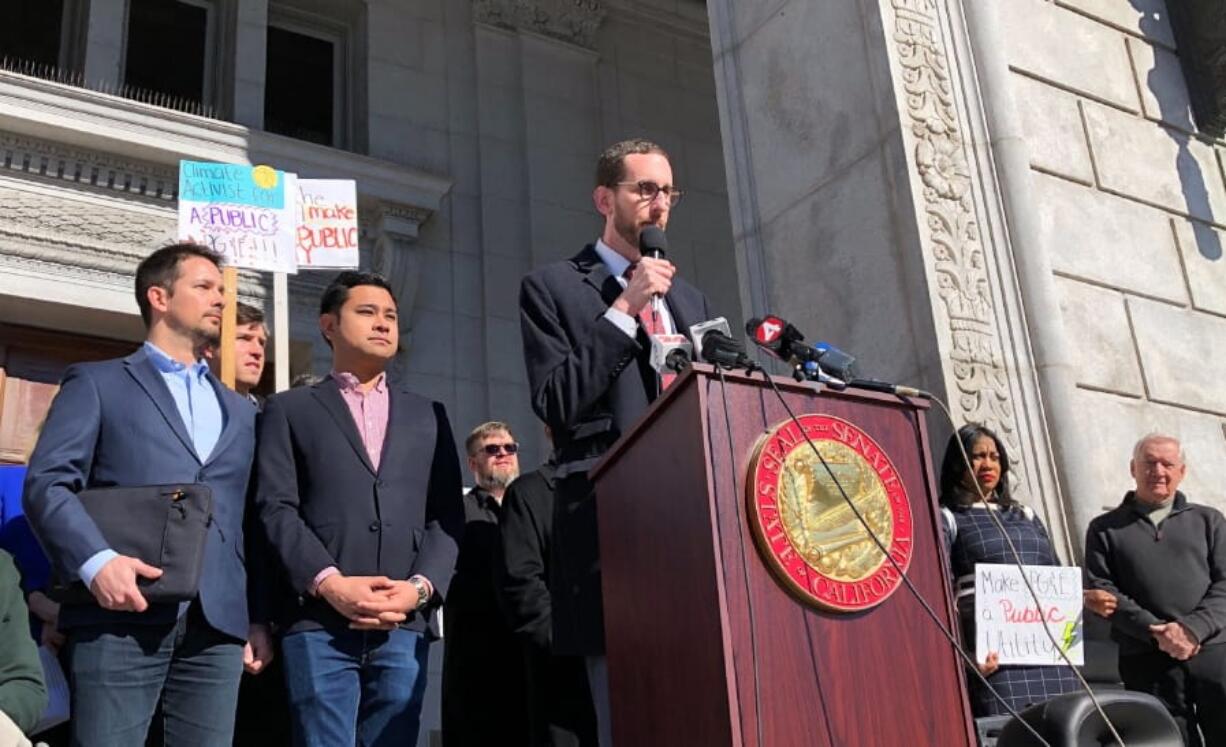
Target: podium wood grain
705, 647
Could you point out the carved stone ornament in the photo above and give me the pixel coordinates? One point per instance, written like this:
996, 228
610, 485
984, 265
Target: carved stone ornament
575, 21
954, 246
87, 169
88, 236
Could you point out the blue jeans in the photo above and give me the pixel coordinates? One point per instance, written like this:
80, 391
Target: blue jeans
118, 672
354, 687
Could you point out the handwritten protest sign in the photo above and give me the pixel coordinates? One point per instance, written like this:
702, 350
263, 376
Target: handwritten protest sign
245, 213
1008, 621
327, 231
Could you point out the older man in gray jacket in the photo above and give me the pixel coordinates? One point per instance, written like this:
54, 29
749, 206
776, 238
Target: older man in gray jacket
1164, 559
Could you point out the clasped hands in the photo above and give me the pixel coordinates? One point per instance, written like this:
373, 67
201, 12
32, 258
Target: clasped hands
370, 602
1174, 639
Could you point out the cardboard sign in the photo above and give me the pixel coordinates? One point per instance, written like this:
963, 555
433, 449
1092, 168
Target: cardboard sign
1008, 621
327, 231
245, 213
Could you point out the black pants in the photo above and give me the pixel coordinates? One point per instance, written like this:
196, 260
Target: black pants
1194, 691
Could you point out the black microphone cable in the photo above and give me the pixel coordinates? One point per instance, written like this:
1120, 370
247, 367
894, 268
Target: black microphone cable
1017, 562
915, 592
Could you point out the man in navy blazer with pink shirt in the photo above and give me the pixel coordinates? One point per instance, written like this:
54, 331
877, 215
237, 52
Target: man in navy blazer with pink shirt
359, 493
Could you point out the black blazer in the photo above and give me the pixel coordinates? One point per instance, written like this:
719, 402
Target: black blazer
322, 503
589, 382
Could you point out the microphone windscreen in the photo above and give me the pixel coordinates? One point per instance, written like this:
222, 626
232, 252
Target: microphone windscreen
653, 242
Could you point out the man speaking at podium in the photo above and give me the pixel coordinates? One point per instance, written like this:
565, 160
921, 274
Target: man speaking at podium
585, 324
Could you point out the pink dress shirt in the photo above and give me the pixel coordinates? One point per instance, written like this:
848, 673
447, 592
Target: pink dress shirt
369, 409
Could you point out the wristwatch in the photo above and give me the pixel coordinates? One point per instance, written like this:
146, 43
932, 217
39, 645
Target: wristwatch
423, 591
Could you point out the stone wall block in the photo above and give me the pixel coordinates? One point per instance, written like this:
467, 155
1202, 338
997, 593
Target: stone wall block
1058, 45
1201, 247
502, 276
466, 284
1088, 233
1117, 423
1053, 128
503, 227
434, 288
1147, 18
504, 350
432, 350
406, 93
469, 350
806, 132
1164, 91
1180, 354
1156, 164
1097, 326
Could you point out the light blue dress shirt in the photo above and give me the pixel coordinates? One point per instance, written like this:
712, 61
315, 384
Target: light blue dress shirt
200, 409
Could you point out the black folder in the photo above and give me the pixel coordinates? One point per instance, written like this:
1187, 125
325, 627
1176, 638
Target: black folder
164, 525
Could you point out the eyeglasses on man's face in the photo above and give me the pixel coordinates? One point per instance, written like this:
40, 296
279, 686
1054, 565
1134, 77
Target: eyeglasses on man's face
648, 190
496, 449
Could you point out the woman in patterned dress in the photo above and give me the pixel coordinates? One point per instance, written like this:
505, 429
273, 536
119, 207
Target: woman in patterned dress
972, 537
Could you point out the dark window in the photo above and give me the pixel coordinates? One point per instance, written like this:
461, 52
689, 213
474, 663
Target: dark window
166, 48
299, 86
30, 32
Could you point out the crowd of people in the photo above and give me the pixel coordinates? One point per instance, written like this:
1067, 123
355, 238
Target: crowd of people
336, 541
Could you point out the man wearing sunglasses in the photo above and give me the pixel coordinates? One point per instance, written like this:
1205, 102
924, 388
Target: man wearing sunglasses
585, 324
482, 661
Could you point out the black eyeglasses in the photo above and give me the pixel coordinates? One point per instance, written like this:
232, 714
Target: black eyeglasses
648, 191
496, 449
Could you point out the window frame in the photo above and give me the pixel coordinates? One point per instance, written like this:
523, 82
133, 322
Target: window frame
213, 44
337, 32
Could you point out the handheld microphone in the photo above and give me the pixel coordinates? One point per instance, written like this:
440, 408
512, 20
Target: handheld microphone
653, 243
671, 353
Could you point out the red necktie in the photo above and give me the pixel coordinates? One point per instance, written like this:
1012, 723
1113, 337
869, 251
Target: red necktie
653, 324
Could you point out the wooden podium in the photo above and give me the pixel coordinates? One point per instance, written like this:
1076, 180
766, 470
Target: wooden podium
706, 647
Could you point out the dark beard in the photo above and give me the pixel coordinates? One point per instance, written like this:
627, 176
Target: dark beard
628, 231
205, 338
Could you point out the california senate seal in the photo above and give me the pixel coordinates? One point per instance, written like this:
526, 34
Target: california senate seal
808, 535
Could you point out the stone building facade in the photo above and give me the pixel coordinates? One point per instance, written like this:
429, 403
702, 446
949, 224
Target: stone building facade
1008, 203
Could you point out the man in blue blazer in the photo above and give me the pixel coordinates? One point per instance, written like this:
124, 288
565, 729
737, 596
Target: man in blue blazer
585, 324
358, 489
155, 417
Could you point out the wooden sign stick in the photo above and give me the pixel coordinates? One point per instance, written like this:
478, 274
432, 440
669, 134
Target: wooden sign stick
280, 334
229, 315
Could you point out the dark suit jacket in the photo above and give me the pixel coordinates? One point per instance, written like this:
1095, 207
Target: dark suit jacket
559, 702
589, 382
114, 423
323, 504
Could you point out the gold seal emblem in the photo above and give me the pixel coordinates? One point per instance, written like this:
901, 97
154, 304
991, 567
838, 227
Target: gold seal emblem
807, 532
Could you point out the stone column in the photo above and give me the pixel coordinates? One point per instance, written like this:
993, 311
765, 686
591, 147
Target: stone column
866, 210
250, 62
104, 42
